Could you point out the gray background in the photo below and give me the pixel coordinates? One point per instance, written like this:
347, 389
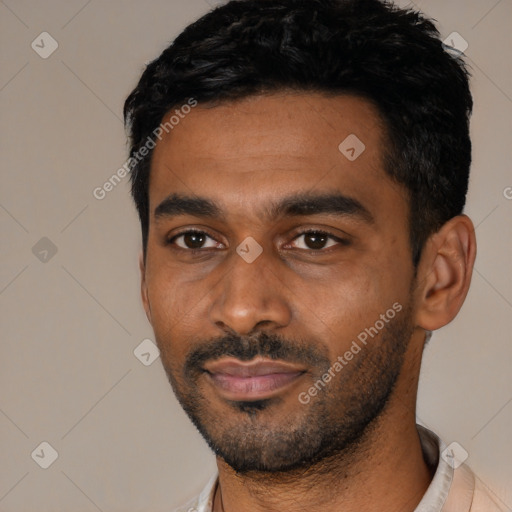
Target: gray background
71, 320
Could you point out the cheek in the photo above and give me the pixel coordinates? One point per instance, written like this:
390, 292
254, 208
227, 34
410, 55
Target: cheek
169, 293
172, 308
354, 300
347, 306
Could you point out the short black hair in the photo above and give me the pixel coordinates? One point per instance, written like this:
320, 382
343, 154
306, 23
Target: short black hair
390, 56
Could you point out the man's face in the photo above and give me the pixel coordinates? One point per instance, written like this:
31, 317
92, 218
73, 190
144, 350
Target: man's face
251, 312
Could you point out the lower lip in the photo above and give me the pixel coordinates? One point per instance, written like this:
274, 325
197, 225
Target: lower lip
253, 388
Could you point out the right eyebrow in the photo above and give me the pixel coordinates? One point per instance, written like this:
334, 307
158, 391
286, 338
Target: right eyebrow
175, 205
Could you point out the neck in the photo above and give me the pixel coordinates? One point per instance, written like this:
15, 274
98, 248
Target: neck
385, 471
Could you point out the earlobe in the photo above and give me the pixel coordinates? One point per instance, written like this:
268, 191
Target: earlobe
144, 288
445, 273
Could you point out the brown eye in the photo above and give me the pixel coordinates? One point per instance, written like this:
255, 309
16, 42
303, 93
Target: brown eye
317, 240
192, 240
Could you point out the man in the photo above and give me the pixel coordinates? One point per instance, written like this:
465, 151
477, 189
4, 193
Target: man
300, 171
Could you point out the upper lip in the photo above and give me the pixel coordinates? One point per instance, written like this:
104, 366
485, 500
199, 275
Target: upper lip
253, 368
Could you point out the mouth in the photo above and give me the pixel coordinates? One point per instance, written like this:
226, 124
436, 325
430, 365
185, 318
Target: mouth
251, 380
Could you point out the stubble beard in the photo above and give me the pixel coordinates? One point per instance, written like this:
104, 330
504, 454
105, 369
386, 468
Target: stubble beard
255, 437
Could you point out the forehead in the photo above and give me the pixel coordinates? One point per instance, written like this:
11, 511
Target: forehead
246, 153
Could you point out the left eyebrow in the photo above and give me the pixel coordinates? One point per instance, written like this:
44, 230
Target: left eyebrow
306, 204
302, 204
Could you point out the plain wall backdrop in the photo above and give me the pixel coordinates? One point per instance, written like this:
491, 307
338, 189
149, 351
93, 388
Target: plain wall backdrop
69, 281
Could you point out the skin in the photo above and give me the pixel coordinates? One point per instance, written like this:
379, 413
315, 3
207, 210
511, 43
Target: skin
244, 155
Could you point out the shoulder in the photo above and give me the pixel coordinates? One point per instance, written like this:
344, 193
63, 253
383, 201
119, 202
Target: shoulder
484, 499
470, 494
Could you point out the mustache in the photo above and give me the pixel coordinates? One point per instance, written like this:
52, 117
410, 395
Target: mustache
246, 348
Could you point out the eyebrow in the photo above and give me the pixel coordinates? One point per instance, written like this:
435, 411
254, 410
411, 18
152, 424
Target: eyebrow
301, 204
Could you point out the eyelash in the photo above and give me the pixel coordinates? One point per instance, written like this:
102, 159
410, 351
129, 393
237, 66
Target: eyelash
341, 241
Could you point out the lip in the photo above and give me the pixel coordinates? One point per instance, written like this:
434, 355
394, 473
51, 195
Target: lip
252, 380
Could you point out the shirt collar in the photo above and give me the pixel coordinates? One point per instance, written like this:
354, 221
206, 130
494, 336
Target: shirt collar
434, 498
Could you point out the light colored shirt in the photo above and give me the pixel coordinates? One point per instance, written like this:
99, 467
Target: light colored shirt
454, 487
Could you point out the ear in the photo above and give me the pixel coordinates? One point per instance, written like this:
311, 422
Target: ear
144, 287
444, 273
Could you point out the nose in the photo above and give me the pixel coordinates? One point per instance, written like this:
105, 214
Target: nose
251, 296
